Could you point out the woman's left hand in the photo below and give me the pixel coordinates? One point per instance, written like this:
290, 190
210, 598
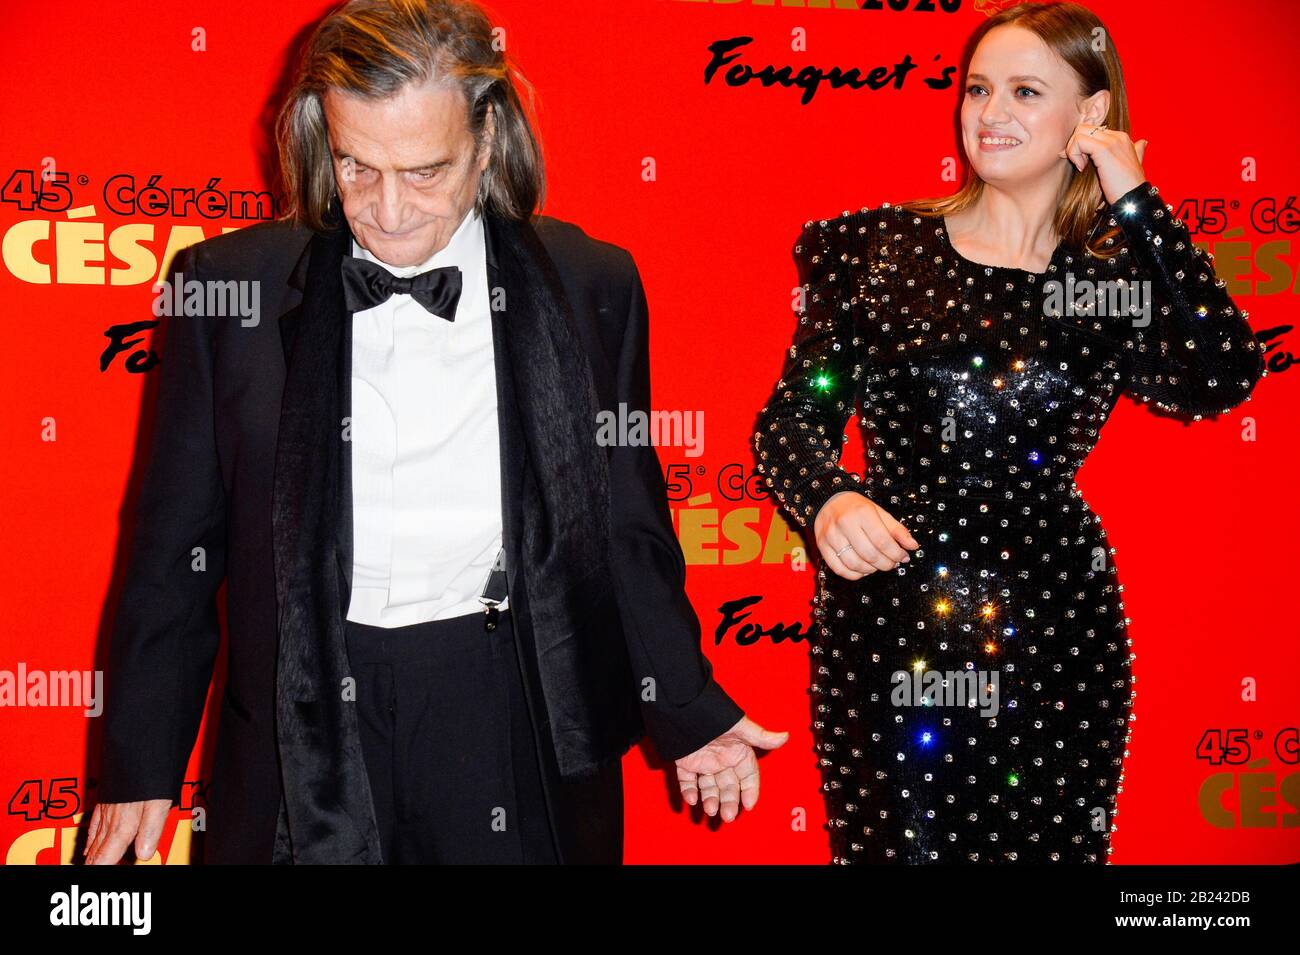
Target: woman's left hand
1117, 157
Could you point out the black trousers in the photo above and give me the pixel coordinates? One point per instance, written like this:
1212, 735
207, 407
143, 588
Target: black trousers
448, 743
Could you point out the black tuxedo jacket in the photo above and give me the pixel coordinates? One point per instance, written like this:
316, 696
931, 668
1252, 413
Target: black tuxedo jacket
219, 471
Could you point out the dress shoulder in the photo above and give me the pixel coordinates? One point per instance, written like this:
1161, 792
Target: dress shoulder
849, 219
858, 235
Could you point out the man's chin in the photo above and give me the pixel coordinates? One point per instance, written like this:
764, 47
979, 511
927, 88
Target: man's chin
397, 249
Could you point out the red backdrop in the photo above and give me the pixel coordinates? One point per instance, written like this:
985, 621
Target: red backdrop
1200, 515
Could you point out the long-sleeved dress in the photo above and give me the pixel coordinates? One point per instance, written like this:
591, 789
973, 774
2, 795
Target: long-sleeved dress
972, 705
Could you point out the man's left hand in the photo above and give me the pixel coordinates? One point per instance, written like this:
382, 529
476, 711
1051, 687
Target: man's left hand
724, 773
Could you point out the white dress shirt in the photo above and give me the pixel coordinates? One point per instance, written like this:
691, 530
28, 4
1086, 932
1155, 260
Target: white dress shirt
426, 467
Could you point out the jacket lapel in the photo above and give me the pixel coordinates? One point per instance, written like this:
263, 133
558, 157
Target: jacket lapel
560, 514
326, 793
514, 449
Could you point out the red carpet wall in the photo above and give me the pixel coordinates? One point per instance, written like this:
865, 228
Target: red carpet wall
708, 185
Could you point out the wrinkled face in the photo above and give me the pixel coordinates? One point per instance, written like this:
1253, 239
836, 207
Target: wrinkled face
407, 168
1025, 97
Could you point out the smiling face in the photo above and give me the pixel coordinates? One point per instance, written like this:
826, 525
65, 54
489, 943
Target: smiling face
1020, 106
407, 168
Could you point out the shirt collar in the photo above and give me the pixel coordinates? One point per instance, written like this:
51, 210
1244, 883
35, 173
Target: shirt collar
465, 246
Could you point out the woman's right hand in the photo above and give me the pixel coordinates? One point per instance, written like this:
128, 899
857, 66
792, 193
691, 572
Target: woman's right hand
877, 540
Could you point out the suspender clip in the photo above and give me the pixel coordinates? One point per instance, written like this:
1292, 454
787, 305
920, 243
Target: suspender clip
494, 591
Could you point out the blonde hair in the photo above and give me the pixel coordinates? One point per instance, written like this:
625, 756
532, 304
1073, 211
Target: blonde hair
1070, 31
374, 48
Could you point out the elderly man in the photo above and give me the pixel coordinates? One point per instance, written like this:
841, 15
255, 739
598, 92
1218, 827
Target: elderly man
451, 611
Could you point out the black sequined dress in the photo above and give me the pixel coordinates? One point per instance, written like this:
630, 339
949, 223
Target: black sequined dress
980, 396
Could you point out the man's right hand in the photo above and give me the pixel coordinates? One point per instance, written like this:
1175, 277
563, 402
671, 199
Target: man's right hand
115, 825
874, 540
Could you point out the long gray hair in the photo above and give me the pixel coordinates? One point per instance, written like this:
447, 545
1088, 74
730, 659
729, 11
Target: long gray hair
374, 48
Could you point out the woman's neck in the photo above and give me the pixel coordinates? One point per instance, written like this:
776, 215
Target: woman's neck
1017, 230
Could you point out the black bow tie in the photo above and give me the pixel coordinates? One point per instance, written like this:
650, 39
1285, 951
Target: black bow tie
366, 285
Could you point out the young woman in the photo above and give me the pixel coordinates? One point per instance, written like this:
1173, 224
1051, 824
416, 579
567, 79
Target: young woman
972, 681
